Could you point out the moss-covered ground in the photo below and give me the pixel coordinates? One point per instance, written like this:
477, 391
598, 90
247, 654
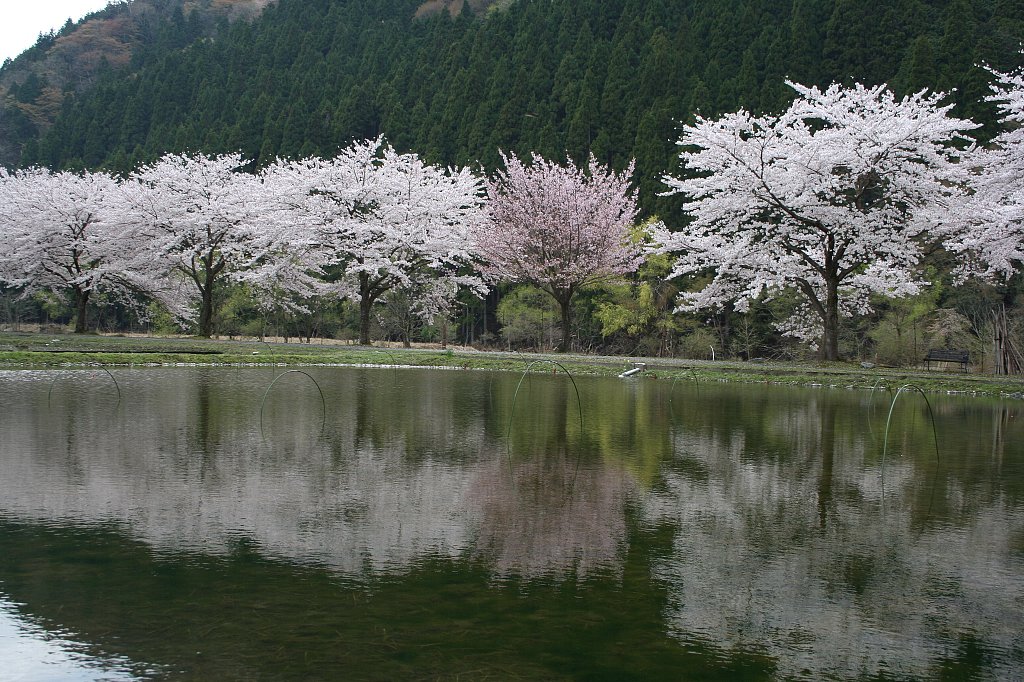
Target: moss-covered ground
62, 350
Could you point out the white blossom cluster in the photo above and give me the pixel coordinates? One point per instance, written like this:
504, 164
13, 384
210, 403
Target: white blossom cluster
176, 229
840, 197
994, 243
364, 223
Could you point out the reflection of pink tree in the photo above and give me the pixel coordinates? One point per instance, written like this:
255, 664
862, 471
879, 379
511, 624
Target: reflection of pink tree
560, 228
549, 519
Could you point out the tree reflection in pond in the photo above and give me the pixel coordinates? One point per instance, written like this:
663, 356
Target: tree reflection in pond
551, 517
805, 556
755, 526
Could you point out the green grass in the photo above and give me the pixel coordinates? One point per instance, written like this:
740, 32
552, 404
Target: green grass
54, 350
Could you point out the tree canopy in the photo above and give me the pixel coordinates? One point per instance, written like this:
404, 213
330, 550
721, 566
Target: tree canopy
385, 221
995, 242
837, 198
560, 228
69, 233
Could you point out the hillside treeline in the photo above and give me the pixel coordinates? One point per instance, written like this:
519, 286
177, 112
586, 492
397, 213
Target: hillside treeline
612, 77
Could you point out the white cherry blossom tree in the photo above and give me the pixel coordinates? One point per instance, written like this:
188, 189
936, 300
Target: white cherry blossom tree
994, 242
67, 233
836, 198
210, 222
559, 228
381, 220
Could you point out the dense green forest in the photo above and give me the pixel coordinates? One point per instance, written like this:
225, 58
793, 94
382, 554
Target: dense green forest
558, 77
610, 77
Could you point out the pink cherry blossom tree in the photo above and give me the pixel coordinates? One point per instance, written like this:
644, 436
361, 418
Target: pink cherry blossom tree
559, 228
836, 198
67, 233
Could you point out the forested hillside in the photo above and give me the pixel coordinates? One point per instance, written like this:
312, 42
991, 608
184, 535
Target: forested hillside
611, 77
34, 85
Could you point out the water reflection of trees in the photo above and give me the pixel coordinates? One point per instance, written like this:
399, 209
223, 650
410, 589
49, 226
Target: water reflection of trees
785, 540
552, 516
804, 555
403, 473
624, 424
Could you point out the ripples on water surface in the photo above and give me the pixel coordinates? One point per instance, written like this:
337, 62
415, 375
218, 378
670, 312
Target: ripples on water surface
688, 530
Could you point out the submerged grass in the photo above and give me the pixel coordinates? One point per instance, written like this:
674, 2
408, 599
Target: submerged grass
48, 350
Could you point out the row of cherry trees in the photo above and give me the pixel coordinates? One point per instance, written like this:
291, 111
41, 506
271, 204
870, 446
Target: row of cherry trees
358, 226
838, 198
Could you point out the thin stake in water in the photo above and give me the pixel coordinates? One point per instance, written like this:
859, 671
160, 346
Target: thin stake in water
508, 432
696, 380
49, 394
323, 402
888, 421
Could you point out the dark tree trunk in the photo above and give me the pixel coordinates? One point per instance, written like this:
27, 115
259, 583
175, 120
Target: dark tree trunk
206, 314
81, 307
828, 311
564, 298
407, 330
364, 321
723, 322
830, 345
830, 321
563, 346
365, 304
829, 308
209, 278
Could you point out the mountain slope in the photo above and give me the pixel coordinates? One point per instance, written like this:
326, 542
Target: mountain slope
609, 77
33, 85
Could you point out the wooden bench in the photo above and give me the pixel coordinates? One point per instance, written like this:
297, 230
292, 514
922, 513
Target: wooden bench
947, 355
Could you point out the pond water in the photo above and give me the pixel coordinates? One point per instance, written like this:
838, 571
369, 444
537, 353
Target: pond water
214, 523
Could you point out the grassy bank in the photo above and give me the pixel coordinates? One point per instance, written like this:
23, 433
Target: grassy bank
63, 350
